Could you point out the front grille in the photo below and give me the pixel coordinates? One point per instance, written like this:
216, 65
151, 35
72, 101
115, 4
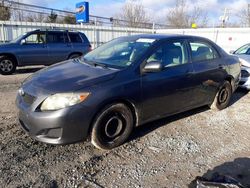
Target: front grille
28, 99
244, 74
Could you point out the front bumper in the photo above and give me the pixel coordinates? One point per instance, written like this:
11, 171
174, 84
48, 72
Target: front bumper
63, 126
245, 78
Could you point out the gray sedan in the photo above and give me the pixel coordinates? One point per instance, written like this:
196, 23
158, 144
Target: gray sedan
244, 55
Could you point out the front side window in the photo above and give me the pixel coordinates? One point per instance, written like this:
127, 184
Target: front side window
202, 51
56, 37
36, 38
170, 54
243, 50
119, 53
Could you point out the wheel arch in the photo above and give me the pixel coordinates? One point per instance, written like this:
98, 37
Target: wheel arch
126, 102
230, 79
75, 53
11, 56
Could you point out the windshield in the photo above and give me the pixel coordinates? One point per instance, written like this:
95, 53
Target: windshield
119, 53
243, 50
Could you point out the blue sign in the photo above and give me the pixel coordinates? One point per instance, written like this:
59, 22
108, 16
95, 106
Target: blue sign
82, 12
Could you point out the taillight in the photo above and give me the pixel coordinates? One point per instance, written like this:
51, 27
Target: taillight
90, 48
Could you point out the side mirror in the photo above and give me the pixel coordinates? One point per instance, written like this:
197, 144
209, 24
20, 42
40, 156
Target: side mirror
153, 66
231, 51
23, 41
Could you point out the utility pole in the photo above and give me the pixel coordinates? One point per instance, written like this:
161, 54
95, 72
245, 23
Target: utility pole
224, 18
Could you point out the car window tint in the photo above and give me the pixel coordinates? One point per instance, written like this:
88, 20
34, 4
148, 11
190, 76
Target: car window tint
36, 38
75, 38
202, 51
170, 54
56, 37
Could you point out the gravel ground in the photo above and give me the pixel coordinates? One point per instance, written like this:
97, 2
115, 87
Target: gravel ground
167, 153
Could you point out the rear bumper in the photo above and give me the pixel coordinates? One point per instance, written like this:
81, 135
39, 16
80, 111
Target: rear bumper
64, 126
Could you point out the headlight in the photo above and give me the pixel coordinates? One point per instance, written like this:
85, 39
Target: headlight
244, 63
62, 100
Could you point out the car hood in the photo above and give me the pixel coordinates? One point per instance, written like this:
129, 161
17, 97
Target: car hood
69, 76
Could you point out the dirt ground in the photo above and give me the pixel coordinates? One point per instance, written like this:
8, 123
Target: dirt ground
167, 153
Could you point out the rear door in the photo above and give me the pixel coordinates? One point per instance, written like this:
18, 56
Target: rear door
34, 51
208, 68
170, 90
79, 43
58, 46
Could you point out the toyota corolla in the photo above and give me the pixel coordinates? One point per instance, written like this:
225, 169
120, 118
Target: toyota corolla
122, 84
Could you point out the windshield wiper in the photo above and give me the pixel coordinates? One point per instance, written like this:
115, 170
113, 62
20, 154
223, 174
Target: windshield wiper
94, 63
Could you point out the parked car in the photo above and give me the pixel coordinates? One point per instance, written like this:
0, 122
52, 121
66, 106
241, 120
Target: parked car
42, 48
125, 83
244, 54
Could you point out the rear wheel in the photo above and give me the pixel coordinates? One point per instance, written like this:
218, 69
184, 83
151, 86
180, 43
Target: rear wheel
112, 127
73, 56
7, 65
222, 97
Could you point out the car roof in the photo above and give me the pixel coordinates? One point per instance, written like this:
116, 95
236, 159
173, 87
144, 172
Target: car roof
56, 30
162, 36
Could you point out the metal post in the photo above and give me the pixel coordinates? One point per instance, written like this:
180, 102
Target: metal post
248, 15
3, 33
153, 28
95, 33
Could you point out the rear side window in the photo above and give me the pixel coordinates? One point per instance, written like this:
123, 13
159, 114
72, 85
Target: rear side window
202, 51
56, 37
75, 38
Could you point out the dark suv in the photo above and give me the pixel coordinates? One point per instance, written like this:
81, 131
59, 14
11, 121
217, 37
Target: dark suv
42, 48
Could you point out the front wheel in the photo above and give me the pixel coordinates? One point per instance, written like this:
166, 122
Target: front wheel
7, 65
223, 97
112, 127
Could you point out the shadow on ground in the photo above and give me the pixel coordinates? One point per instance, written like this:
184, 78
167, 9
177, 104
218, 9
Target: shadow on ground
239, 93
149, 127
239, 170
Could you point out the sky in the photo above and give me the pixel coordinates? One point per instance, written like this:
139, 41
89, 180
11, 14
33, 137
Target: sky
157, 9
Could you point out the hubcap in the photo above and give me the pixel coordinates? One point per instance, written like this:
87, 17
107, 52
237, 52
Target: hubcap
223, 95
6, 65
113, 127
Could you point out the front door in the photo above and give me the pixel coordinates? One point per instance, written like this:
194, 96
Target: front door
34, 51
171, 90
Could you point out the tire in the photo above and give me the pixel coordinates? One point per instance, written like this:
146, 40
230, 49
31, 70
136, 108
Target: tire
7, 65
223, 97
112, 127
73, 56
